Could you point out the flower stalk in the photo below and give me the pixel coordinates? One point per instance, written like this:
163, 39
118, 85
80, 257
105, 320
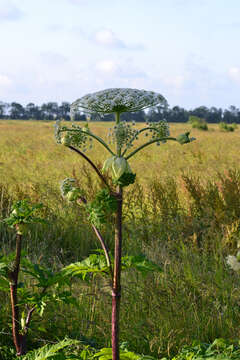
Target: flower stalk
116, 287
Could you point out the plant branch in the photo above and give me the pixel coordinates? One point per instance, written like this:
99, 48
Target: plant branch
92, 135
138, 133
105, 249
91, 163
149, 143
28, 319
102, 242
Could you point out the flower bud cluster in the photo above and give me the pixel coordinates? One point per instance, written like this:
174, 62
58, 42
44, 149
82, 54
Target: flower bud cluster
76, 136
69, 189
122, 133
67, 185
121, 172
158, 129
184, 138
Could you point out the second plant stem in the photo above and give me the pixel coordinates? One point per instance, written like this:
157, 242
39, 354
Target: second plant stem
18, 339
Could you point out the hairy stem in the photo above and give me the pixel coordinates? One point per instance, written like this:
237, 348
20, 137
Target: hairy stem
13, 277
116, 291
92, 164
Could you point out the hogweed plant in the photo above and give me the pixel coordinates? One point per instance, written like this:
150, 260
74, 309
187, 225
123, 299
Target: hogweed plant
21, 216
39, 285
121, 148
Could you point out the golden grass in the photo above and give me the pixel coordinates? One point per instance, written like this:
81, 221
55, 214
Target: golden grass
196, 296
29, 154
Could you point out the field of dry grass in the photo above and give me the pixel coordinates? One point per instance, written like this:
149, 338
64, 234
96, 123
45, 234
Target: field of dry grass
29, 153
183, 214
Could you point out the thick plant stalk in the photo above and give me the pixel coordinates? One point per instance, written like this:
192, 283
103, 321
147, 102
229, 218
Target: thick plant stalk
18, 339
116, 290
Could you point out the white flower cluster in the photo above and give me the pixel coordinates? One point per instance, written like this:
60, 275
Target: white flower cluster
117, 100
233, 262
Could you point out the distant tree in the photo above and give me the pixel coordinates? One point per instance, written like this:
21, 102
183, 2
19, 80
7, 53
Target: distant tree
64, 111
158, 113
231, 115
214, 115
33, 112
138, 116
201, 112
3, 110
17, 111
177, 114
50, 110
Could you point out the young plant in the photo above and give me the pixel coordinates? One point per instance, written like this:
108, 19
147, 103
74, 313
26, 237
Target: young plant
45, 286
110, 199
21, 216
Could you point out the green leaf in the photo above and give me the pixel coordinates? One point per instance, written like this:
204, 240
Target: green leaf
22, 212
140, 263
51, 351
95, 263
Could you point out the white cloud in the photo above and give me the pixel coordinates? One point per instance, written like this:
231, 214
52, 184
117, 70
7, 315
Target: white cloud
5, 80
176, 82
234, 73
107, 66
77, 2
9, 12
122, 70
107, 38
53, 59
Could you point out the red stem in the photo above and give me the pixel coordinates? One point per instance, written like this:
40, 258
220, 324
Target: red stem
91, 163
13, 276
116, 291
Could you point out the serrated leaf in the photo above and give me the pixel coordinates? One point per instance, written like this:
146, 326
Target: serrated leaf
140, 263
93, 264
50, 351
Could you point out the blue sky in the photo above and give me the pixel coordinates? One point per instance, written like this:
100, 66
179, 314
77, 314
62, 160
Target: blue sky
59, 50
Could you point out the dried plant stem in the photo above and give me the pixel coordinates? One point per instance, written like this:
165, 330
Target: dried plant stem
116, 290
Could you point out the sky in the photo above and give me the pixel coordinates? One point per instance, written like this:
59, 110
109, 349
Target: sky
60, 50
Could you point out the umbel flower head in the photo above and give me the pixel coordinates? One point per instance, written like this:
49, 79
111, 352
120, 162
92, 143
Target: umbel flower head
117, 100
234, 261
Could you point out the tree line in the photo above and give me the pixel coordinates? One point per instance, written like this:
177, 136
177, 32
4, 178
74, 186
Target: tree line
53, 110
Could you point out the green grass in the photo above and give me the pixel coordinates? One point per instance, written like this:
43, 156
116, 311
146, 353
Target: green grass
183, 214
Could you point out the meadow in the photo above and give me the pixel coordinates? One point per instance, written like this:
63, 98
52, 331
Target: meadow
183, 214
